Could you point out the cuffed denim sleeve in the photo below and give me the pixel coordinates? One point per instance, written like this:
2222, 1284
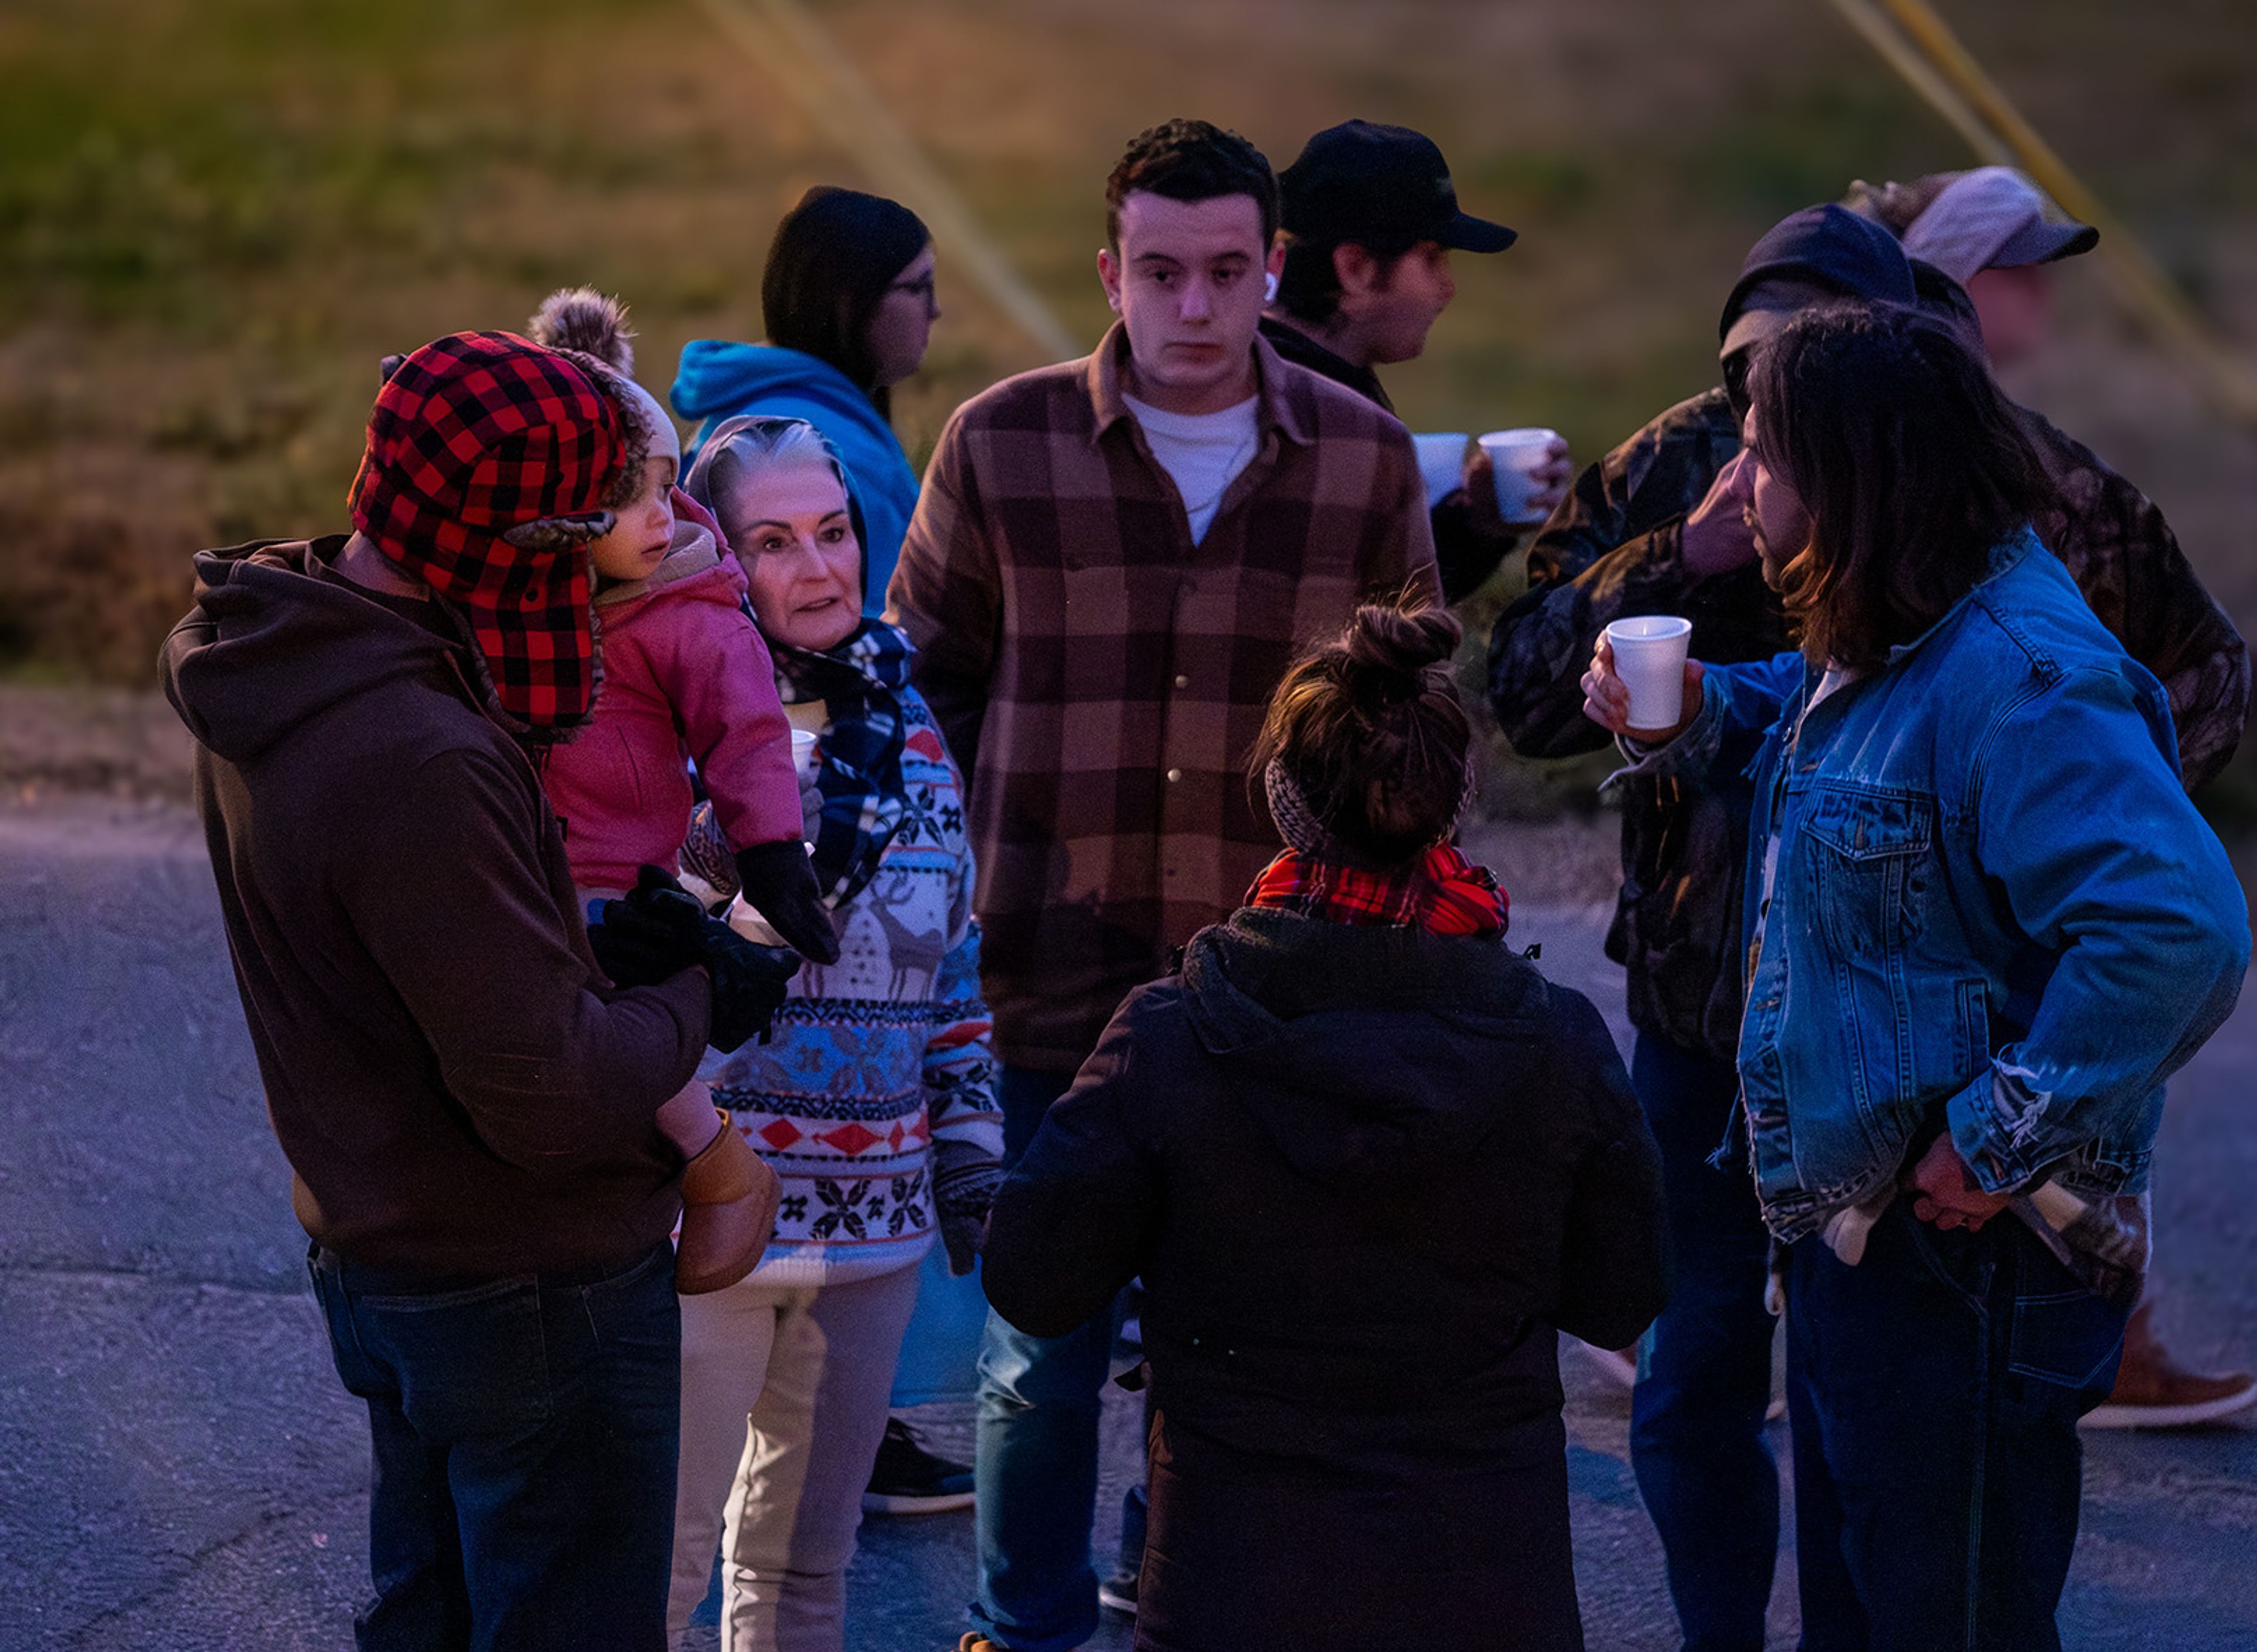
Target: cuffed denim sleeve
2083, 828
1739, 704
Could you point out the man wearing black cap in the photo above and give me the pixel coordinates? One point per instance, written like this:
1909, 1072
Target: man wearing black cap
1658, 527
1372, 219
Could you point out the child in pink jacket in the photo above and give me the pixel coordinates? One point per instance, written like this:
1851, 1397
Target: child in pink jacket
685, 676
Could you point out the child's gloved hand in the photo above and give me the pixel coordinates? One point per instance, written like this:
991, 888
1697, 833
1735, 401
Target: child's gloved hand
779, 885
659, 930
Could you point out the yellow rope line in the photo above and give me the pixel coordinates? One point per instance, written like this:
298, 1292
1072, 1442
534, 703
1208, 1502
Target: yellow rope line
808, 66
1919, 46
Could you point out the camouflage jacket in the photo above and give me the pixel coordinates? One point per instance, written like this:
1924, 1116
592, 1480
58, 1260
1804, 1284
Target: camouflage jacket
1612, 549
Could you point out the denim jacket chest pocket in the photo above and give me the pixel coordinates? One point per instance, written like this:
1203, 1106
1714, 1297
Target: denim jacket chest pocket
1870, 853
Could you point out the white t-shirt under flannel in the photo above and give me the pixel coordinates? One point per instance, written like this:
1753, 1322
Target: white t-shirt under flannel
1202, 453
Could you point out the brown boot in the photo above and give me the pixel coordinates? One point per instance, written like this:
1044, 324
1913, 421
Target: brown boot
728, 1211
2153, 1391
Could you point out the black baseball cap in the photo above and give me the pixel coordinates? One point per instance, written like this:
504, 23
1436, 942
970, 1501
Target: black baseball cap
1386, 187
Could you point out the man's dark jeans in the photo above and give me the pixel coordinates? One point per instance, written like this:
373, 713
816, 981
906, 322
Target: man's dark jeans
525, 1435
1935, 1390
1041, 1399
1696, 1440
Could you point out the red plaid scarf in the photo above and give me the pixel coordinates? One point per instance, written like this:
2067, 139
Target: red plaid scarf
482, 436
1441, 892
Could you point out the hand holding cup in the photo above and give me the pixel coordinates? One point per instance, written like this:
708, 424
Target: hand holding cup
1632, 693
1527, 471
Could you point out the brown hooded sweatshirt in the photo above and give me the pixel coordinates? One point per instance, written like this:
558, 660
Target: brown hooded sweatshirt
459, 1091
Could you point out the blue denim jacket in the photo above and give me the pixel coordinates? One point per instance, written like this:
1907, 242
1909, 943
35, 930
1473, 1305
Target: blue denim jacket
1992, 898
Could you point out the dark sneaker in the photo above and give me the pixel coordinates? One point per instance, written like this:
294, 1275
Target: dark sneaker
908, 1480
1118, 1593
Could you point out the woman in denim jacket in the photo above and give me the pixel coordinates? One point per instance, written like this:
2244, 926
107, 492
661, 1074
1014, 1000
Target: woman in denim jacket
1983, 926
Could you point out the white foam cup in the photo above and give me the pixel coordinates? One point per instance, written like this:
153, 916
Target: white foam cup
806, 761
1441, 462
1514, 455
1650, 659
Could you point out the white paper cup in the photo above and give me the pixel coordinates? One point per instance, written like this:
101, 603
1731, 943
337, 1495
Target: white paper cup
805, 760
1514, 455
1441, 462
1650, 659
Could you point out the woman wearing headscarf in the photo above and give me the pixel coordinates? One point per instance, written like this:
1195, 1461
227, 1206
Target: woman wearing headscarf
848, 302
873, 1102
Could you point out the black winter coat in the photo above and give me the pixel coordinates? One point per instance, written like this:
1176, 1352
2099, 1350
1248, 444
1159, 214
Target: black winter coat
1366, 1174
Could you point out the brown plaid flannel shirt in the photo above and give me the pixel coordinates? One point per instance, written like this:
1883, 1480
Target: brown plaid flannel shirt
1101, 678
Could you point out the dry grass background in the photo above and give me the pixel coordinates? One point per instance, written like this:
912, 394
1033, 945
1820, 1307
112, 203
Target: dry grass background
215, 219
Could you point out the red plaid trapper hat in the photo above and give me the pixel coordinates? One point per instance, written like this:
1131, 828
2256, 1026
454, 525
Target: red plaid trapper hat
482, 435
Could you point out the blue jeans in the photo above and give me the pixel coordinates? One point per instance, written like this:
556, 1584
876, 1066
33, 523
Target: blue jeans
1040, 1401
524, 1434
1696, 1441
1935, 1390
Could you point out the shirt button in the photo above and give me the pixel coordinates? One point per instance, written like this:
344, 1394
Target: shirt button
1174, 775
1182, 681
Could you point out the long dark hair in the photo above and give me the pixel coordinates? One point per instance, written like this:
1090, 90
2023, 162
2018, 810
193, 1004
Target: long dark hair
1370, 731
1911, 462
833, 257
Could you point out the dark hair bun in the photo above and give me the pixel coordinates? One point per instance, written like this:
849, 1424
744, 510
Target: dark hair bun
579, 318
1368, 730
1391, 649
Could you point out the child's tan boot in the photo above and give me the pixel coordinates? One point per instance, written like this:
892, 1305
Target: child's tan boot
728, 1211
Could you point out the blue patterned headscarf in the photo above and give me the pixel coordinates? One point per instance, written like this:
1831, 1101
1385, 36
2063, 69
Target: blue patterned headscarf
859, 682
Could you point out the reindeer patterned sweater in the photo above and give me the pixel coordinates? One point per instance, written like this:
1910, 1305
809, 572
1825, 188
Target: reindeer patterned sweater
879, 1073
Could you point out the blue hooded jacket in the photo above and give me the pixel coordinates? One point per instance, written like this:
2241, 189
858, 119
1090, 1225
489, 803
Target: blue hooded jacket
719, 378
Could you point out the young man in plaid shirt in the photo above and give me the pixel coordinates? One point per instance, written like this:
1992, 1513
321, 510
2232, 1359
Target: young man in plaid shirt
1112, 564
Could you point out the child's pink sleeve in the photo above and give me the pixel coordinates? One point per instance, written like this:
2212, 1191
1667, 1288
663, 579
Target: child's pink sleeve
723, 686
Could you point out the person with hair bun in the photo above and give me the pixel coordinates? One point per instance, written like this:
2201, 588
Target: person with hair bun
1370, 1164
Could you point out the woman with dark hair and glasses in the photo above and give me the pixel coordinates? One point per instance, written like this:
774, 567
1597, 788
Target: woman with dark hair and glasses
848, 301
1982, 925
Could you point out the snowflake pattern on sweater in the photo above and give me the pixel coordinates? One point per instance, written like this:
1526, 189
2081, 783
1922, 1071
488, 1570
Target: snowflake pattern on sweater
880, 1063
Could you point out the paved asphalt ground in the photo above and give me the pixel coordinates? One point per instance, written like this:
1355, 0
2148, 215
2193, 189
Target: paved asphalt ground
179, 1470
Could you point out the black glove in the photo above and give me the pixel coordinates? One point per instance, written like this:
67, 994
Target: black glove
779, 885
964, 1183
659, 930
650, 937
